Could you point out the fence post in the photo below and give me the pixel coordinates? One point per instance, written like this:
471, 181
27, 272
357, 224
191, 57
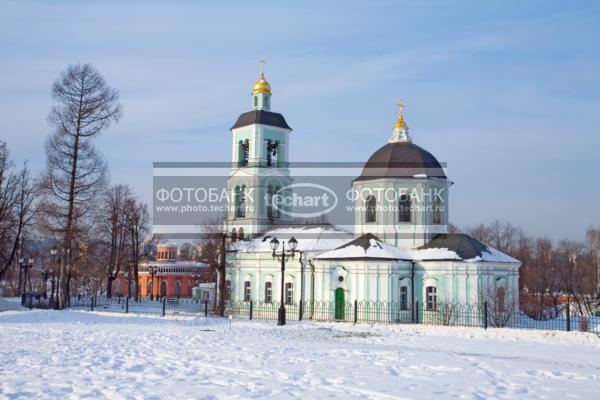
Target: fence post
92, 303
416, 311
485, 314
126, 304
164, 305
568, 317
251, 309
206, 308
355, 311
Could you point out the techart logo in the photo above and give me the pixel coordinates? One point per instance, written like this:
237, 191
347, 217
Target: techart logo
304, 200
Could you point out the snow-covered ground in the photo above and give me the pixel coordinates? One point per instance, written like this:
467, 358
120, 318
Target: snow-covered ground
78, 354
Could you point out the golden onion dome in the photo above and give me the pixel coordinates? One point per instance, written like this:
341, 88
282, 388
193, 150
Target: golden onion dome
400, 123
261, 85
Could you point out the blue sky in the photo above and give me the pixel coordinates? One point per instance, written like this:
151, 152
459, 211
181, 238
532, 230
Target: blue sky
506, 93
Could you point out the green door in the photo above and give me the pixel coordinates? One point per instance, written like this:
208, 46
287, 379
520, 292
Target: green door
340, 304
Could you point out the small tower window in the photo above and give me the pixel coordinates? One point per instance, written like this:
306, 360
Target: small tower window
272, 150
371, 209
240, 204
404, 209
255, 101
437, 211
272, 209
244, 152
267, 101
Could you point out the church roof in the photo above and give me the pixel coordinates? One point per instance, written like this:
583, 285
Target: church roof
310, 238
443, 247
367, 246
459, 246
401, 160
261, 117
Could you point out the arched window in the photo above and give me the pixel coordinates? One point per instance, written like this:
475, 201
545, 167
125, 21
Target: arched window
149, 288
163, 288
272, 209
241, 234
404, 209
233, 235
227, 289
244, 152
404, 297
371, 209
268, 292
267, 102
272, 150
177, 288
289, 293
240, 201
431, 298
247, 291
437, 211
255, 101
501, 299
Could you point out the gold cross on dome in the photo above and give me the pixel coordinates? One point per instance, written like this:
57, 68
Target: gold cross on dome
401, 105
262, 66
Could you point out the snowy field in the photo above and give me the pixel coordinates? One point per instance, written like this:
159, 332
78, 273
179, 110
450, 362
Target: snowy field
78, 354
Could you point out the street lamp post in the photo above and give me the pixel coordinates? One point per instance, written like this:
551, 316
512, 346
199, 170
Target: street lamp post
283, 256
152, 269
25, 265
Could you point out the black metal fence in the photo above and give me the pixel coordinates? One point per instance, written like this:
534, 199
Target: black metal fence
370, 312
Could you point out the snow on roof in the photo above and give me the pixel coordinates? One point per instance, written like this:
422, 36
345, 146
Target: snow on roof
309, 237
458, 247
366, 246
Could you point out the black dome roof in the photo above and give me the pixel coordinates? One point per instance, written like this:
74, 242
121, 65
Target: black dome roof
401, 160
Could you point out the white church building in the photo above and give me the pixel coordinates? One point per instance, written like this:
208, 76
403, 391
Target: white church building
397, 251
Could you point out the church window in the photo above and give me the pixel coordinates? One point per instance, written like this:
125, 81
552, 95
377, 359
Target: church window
227, 289
272, 210
255, 101
289, 293
244, 152
272, 150
437, 211
240, 202
241, 234
268, 292
233, 235
404, 209
247, 291
431, 298
500, 299
267, 101
404, 297
371, 209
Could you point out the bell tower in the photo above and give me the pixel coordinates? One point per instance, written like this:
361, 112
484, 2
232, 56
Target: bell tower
259, 171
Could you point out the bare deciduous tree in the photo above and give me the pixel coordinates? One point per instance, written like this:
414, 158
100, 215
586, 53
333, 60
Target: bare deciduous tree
84, 106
